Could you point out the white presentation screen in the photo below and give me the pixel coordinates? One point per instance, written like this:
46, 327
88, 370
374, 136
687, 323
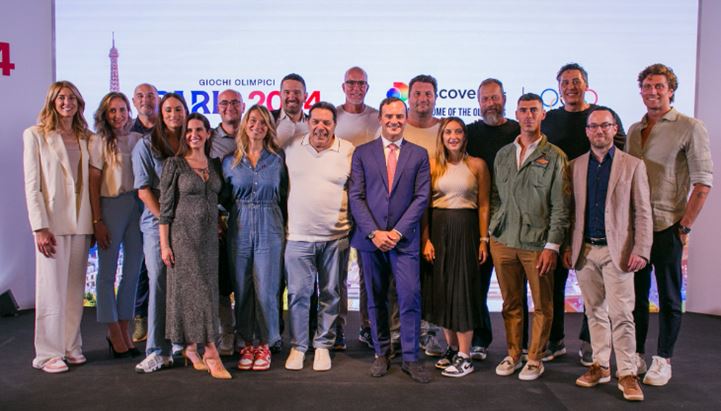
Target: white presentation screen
199, 48
202, 47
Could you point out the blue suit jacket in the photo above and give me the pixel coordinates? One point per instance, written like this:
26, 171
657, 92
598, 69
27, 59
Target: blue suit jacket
373, 208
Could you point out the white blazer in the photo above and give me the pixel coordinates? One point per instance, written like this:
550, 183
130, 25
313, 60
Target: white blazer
50, 190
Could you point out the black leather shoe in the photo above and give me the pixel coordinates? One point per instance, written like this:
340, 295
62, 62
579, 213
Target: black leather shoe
380, 366
416, 371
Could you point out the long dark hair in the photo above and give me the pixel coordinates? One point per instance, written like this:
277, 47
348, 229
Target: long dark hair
184, 147
159, 133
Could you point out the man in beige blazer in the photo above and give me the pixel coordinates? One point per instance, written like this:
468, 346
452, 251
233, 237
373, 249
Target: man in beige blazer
611, 237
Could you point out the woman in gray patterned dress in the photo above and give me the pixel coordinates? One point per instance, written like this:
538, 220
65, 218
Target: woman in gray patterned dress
189, 189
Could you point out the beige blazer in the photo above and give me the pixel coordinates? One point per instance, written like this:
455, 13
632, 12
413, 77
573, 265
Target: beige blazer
629, 227
54, 199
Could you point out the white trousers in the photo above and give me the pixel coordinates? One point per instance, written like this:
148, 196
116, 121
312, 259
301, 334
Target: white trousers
59, 289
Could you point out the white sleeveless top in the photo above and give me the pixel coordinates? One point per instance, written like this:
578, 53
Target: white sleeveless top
457, 188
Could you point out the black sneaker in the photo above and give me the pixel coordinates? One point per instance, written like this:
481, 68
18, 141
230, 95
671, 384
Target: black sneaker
364, 336
277, 347
554, 350
460, 367
447, 359
339, 344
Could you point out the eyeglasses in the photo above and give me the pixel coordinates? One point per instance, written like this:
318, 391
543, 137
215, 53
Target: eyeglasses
226, 103
603, 126
356, 83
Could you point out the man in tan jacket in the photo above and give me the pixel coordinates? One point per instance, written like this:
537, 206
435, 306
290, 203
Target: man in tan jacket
611, 237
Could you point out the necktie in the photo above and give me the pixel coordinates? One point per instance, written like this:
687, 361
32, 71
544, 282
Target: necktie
391, 165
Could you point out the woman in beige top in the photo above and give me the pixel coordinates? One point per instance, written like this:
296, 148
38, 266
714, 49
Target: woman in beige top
55, 160
116, 219
455, 241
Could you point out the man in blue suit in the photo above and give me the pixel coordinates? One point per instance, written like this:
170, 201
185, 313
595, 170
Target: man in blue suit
389, 192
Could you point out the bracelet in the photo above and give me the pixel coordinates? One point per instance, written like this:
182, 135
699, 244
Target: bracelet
485, 239
97, 221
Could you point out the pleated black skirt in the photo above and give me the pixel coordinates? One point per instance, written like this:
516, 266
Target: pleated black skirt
451, 297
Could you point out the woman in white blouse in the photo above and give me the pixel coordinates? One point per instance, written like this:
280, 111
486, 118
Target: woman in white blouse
116, 219
55, 160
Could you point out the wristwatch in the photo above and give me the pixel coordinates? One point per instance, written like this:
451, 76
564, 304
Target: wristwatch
684, 229
372, 234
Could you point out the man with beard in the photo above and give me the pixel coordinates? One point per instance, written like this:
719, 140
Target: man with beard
358, 124
317, 238
485, 138
222, 143
145, 100
422, 129
290, 120
565, 127
610, 239
389, 192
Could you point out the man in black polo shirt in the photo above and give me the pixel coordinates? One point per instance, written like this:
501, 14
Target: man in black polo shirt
485, 138
565, 127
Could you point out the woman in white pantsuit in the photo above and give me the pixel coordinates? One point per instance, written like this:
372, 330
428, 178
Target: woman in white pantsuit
55, 160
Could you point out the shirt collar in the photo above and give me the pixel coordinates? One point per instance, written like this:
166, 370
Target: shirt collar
220, 131
387, 142
530, 146
671, 115
305, 141
284, 116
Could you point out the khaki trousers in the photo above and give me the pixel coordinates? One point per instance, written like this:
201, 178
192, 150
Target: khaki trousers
59, 290
513, 267
608, 294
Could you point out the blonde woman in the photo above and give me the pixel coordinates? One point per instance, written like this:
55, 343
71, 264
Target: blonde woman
455, 240
259, 183
116, 219
55, 160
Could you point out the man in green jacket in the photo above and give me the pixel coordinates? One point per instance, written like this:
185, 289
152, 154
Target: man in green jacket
530, 202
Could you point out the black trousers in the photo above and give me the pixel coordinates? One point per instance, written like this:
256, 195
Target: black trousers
142, 293
666, 254
483, 334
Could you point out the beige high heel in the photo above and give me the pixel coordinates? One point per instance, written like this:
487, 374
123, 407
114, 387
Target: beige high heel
216, 371
194, 359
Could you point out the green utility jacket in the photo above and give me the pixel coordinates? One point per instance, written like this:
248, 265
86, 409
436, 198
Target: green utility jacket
530, 206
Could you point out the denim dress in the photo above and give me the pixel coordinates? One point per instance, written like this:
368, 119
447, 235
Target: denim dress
257, 234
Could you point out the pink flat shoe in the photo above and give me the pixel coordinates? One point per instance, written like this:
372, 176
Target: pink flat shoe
75, 359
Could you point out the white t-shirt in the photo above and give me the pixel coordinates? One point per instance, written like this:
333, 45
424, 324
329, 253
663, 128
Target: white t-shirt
318, 195
358, 128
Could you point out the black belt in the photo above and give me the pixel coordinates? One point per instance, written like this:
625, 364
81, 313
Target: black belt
596, 241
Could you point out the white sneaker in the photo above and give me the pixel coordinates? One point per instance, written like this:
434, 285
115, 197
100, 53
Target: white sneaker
640, 363
461, 367
508, 367
321, 360
660, 372
154, 362
531, 371
295, 359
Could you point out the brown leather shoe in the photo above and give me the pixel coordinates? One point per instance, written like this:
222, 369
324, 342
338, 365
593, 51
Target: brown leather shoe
380, 366
594, 376
630, 387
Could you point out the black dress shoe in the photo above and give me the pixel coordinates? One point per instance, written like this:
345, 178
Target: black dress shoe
380, 366
416, 371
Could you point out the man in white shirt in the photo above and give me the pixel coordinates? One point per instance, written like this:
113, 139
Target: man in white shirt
290, 120
318, 227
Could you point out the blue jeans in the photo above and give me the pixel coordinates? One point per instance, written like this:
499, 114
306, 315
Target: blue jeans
121, 216
157, 291
303, 260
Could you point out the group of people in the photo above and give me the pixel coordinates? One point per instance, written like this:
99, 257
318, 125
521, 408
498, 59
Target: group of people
274, 200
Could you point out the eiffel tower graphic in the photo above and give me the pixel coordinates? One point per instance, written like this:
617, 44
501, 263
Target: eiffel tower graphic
114, 76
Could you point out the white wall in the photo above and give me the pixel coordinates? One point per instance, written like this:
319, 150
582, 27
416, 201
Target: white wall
704, 254
29, 28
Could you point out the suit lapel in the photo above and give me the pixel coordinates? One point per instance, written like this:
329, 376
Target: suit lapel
616, 166
380, 157
580, 185
57, 147
402, 160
